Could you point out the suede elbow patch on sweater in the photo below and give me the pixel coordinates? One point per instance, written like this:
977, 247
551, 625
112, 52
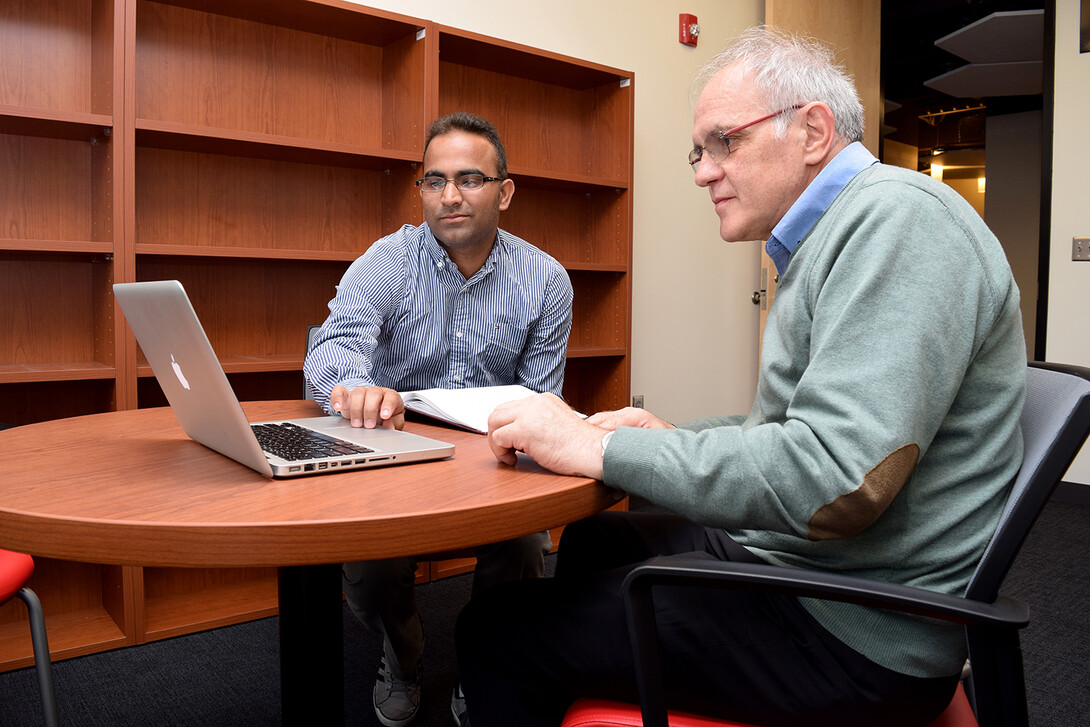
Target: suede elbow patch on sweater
853, 512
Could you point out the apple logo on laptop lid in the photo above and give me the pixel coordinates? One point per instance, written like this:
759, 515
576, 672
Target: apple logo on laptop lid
178, 372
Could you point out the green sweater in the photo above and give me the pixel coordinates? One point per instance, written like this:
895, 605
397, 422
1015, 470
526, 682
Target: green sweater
884, 434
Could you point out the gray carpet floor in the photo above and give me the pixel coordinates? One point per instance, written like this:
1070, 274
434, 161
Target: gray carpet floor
230, 676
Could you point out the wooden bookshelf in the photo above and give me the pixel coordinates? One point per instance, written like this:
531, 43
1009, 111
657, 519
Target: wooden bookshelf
252, 149
567, 126
177, 601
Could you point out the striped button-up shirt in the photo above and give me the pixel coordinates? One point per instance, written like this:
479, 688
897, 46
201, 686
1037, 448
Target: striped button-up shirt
405, 317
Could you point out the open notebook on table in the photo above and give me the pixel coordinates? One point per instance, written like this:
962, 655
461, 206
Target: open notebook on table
467, 408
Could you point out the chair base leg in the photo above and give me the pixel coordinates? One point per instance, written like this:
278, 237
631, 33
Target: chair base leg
42, 663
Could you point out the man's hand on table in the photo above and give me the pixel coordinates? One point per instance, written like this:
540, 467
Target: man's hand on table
369, 406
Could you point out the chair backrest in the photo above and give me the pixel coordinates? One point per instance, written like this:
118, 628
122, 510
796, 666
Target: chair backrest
1055, 423
312, 335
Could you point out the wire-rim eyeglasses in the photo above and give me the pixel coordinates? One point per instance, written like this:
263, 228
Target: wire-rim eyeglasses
718, 143
464, 182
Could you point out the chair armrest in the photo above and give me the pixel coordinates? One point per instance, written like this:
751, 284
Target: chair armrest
1005, 615
680, 571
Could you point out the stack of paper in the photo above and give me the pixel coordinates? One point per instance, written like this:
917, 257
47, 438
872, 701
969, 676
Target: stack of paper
467, 408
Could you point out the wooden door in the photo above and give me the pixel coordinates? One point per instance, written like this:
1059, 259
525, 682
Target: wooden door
853, 29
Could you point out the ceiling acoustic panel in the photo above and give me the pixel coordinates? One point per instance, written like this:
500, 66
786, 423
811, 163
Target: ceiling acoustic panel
1004, 51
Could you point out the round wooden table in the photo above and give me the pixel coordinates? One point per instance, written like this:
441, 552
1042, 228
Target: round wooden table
131, 488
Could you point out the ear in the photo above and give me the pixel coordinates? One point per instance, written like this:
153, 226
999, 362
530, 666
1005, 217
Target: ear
507, 191
820, 132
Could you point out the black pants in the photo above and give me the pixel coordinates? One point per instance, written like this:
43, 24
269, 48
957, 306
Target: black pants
526, 650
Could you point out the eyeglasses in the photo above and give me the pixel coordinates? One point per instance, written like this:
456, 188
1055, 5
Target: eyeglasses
718, 143
464, 182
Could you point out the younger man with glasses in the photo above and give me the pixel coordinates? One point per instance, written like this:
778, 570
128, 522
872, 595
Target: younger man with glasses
452, 303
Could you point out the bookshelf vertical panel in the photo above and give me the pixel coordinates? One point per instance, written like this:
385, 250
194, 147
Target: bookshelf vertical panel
104, 162
103, 326
404, 119
117, 599
102, 67
607, 142
609, 222
400, 201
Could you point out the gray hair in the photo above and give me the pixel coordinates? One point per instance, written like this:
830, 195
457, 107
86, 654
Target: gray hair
791, 70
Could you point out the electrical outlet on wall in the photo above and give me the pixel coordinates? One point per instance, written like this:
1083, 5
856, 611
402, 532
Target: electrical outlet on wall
637, 401
1080, 248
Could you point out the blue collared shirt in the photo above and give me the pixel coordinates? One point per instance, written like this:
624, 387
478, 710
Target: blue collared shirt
815, 199
405, 317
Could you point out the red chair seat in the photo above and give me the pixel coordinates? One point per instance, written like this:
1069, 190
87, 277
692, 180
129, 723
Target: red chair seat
958, 713
587, 712
15, 570
603, 713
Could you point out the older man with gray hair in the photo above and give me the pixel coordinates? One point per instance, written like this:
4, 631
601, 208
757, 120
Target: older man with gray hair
882, 439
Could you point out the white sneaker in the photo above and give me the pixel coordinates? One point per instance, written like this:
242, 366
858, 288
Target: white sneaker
458, 706
397, 700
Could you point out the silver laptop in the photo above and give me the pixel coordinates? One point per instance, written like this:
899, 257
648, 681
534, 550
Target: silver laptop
171, 336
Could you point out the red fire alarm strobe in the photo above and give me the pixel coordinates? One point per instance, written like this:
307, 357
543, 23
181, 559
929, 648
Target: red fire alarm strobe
688, 29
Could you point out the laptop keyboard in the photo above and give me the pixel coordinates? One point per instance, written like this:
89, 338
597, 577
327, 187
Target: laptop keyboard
293, 443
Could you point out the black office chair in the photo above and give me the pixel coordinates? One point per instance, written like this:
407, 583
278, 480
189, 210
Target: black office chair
312, 335
1055, 422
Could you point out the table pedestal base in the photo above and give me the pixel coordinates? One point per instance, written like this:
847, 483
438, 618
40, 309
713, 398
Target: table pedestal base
311, 645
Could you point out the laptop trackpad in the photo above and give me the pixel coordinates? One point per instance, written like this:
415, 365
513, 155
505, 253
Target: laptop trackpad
338, 426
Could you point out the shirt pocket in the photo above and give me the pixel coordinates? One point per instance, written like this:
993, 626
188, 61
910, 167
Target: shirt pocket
499, 357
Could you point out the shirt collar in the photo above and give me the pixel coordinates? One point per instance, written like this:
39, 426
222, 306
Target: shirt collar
435, 250
439, 255
814, 200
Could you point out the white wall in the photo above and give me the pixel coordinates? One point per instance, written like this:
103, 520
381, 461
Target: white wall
1069, 282
694, 329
